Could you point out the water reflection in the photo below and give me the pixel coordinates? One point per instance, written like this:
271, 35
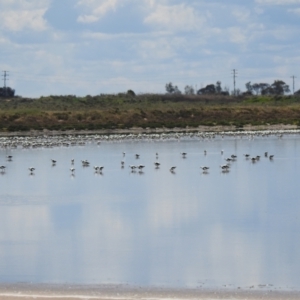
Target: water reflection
189, 228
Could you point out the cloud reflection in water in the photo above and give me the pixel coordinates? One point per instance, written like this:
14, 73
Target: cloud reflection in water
188, 229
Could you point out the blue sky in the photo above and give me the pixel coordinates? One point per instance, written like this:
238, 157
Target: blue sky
91, 47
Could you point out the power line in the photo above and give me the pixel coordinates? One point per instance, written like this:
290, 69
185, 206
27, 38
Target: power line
293, 83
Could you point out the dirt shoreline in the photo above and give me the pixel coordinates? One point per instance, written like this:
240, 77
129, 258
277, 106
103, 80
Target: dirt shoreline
110, 292
138, 130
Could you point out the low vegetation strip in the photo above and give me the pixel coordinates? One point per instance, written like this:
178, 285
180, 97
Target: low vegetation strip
125, 111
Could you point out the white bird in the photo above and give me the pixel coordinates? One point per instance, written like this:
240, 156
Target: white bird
72, 161
72, 170
53, 161
31, 169
157, 164
183, 154
137, 156
172, 169
85, 163
271, 156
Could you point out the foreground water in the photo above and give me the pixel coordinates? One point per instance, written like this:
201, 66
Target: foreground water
153, 228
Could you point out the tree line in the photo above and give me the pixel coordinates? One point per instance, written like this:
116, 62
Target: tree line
6, 92
278, 87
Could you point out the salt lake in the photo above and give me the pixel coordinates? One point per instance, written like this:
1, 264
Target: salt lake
183, 229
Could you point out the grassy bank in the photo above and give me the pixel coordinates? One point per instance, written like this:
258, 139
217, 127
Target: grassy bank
146, 111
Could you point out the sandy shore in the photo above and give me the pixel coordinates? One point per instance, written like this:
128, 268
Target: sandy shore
137, 130
66, 292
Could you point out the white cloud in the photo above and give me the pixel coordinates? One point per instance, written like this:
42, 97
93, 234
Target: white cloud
174, 17
19, 20
16, 15
278, 2
203, 38
97, 8
237, 35
295, 11
156, 49
241, 14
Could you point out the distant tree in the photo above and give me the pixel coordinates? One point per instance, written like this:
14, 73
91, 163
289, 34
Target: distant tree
238, 92
172, 89
189, 90
131, 93
177, 91
210, 89
259, 87
279, 87
218, 87
226, 91
297, 93
247, 93
256, 88
7, 92
249, 88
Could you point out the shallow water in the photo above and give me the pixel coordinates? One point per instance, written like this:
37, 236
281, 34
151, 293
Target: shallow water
156, 228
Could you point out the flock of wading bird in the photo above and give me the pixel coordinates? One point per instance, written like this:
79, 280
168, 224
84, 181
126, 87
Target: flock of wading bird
225, 168
68, 140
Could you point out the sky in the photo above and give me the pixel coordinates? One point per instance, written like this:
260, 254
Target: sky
92, 47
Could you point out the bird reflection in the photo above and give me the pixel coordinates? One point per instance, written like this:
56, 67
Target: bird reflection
98, 173
31, 169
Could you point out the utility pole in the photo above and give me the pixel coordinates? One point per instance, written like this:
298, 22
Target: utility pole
293, 83
234, 73
5, 75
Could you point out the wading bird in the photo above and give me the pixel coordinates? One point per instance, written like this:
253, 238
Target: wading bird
172, 169
205, 169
